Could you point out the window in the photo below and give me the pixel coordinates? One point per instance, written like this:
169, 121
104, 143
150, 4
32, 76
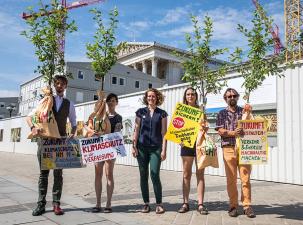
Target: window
79, 97
96, 97
80, 75
121, 81
16, 134
150, 85
35, 93
1, 134
114, 80
2, 104
137, 84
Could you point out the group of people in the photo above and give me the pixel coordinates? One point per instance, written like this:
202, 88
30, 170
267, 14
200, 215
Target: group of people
149, 147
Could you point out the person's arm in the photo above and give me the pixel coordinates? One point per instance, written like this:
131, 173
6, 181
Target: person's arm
29, 122
135, 136
227, 133
72, 119
224, 132
107, 125
164, 143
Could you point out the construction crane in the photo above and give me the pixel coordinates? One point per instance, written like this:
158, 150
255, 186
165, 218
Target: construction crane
67, 6
273, 28
293, 13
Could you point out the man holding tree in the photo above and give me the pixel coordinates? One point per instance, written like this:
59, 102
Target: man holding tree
62, 109
226, 126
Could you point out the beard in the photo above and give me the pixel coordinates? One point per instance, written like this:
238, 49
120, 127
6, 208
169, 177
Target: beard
232, 102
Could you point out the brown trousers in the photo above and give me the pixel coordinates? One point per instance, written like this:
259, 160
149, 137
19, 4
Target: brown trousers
231, 161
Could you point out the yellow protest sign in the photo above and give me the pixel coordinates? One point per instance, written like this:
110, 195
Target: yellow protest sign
184, 125
253, 146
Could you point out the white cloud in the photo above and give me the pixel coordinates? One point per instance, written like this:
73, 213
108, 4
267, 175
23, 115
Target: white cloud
141, 25
9, 93
134, 29
10, 27
176, 32
175, 15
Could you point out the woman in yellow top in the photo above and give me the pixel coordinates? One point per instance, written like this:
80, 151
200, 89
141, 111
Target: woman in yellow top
188, 155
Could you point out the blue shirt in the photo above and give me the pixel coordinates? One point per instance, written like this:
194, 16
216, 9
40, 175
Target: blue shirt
150, 127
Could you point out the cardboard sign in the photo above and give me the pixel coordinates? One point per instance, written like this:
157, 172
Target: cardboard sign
184, 125
102, 148
60, 153
253, 146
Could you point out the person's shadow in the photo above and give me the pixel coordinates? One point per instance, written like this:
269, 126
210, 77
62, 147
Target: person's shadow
293, 211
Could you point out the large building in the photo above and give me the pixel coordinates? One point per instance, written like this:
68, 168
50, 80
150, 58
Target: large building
140, 66
8, 107
84, 85
158, 60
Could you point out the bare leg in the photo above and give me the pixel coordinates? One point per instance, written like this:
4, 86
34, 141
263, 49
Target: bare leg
98, 182
187, 172
200, 185
109, 171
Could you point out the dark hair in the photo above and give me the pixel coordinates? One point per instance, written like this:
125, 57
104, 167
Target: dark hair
229, 90
60, 77
110, 96
159, 96
196, 94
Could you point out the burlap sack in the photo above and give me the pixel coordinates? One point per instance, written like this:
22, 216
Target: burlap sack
206, 149
44, 118
206, 152
96, 123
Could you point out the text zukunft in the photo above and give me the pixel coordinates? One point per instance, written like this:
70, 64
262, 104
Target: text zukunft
253, 146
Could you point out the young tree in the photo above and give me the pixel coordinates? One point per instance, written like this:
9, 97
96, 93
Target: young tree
103, 51
259, 64
197, 71
45, 32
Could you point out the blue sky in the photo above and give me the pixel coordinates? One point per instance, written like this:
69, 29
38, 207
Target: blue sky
163, 21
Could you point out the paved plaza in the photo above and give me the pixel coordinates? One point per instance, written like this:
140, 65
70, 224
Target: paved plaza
275, 203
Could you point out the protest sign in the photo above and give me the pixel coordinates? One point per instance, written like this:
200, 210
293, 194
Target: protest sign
253, 146
184, 125
101, 148
60, 153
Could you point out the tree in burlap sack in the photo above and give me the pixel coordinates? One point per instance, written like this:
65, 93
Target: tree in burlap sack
104, 55
205, 80
97, 123
45, 31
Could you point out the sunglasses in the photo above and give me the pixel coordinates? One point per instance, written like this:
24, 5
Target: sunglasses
232, 96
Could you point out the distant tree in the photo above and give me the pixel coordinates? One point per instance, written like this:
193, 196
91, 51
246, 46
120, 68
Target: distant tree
103, 52
45, 32
196, 64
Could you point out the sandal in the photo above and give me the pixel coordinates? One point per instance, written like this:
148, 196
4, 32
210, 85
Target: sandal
107, 210
145, 209
160, 209
202, 209
96, 210
184, 208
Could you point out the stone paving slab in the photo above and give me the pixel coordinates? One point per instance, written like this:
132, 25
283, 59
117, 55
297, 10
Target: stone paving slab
274, 203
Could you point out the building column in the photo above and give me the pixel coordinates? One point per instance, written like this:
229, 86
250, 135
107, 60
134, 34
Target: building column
135, 66
144, 66
154, 67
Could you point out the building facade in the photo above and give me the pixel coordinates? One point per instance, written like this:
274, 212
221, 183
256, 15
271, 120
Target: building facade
83, 87
158, 60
